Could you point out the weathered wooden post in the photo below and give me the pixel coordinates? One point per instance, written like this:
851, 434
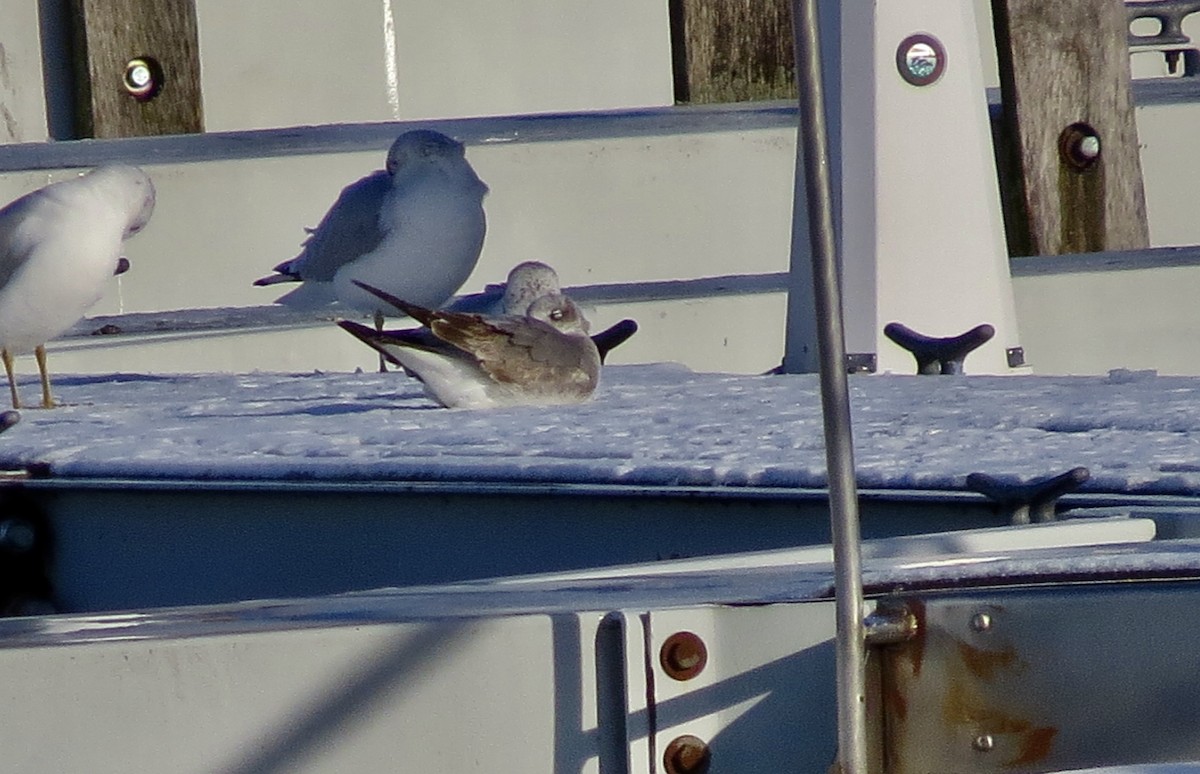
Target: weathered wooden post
137, 67
1069, 160
732, 51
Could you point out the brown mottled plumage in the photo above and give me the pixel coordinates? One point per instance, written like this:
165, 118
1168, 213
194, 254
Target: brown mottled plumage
543, 358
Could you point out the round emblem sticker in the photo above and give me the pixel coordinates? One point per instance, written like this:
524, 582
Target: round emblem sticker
921, 59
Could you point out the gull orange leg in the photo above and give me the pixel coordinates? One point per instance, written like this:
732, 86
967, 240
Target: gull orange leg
12, 380
39, 352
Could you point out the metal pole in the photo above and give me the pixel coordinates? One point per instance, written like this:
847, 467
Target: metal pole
835, 395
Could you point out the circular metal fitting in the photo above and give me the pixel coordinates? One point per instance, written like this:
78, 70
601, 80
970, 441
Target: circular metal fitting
921, 59
143, 78
17, 535
687, 754
981, 622
1079, 146
683, 655
984, 743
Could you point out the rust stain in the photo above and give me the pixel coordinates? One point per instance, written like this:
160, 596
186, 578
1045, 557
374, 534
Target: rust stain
984, 664
1035, 746
963, 706
895, 702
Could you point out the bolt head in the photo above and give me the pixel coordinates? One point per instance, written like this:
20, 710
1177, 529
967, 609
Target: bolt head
687, 754
142, 78
981, 622
984, 743
683, 655
1088, 147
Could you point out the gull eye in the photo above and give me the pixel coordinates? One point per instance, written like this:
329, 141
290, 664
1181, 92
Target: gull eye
557, 315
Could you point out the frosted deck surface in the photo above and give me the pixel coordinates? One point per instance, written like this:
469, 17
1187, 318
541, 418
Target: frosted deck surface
659, 425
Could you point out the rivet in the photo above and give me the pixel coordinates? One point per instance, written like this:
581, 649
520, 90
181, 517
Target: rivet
143, 78
687, 754
984, 743
683, 655
981, 622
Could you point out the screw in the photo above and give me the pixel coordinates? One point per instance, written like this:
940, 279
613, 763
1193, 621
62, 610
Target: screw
981, 622
683, 655
687, 754
984, 743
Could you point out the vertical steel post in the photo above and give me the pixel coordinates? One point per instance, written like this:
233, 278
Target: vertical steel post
835, 393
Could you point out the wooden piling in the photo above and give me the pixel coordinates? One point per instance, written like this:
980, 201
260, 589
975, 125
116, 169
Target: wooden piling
112, 40
732, 50
1068, 156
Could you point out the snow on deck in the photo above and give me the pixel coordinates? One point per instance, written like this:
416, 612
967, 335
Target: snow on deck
659, 425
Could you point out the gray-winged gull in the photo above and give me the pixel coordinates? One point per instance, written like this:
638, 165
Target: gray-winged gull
414, 229
59, 245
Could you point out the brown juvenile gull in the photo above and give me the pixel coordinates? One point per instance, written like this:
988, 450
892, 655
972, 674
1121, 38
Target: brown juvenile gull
542, 358
59, 245
526, 283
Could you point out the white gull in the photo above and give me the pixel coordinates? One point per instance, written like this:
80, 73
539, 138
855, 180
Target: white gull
414, 229
59, 245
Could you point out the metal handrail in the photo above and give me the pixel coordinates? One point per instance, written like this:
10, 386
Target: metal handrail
813, 145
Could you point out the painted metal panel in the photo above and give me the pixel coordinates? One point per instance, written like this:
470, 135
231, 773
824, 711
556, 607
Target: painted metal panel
1046, 679
381, 60
503, 694
764, 700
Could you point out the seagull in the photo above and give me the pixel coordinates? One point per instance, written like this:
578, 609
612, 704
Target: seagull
526, 283
542, 358
414, 229
58, 247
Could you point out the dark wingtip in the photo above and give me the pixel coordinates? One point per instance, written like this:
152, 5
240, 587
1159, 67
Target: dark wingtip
614, 336
419, 313
122, 266
369, 336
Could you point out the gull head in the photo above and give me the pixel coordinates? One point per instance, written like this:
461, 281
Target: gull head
560, 312
527, 282
421, 145
132, 188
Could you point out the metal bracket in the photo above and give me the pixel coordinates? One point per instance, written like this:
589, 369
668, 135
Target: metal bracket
1170, 15
1035, 501
891, 622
